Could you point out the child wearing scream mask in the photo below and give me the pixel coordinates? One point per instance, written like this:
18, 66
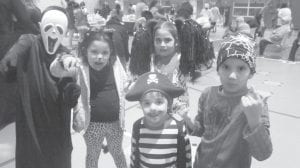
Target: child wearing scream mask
158, 140
44, 102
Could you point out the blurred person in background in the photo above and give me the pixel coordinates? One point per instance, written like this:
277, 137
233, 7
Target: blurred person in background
156, 10
270, 14
142, 21
260, 28
205, 18
242, 26
284, 13
294, 4
294, 48
277, 34
173, 10
215, 17
185, 11
120, 35
105, 10
117, 12
238, 25
206, 12
71, 5
130, 9
139, 8
81, 21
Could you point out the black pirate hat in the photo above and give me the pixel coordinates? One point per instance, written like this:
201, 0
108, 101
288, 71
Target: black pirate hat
153, 81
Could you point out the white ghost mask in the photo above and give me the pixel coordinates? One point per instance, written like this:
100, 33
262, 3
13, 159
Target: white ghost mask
53, 27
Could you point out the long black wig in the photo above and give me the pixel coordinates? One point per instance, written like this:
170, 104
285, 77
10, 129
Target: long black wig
193, 44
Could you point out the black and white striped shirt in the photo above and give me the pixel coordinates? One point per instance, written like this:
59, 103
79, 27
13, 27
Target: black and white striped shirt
160, 148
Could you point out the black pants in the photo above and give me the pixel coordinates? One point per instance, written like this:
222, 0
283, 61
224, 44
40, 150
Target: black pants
262, 46
294, 48
213, 26
259, 32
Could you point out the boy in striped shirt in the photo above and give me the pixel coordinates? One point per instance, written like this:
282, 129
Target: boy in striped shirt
158, 140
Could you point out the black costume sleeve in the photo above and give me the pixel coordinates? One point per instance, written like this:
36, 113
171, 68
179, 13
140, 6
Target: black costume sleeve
17, 50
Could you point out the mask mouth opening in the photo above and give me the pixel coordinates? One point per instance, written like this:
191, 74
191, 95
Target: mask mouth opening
51, 43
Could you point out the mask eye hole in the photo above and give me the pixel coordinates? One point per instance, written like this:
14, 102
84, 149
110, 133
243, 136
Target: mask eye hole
47, 28
60, 30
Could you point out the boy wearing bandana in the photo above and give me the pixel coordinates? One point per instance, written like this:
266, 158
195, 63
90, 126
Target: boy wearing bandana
233, 119
43, 137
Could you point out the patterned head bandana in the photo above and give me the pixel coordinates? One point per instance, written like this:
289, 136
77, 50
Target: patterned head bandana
238, 46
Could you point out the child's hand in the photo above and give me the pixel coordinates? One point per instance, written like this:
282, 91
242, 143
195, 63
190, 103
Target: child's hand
252, 107
181, 109
78, 123
70, 63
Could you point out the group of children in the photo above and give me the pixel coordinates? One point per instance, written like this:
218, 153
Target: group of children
232, 118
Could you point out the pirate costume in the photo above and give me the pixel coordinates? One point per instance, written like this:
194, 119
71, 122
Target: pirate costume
169, 145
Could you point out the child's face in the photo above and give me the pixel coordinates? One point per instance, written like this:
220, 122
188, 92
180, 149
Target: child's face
234, 74
155, 108
164, 43
233, 24
98, 54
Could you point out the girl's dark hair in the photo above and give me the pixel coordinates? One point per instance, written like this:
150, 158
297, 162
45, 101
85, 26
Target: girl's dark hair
76, 5
141, 52
91, 36
82, 4
118, 8
284, 5
147, 15
143, 45
185, 10
167, 26
196, 49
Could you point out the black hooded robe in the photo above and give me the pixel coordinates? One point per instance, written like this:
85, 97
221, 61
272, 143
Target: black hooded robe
43, 138
10, 31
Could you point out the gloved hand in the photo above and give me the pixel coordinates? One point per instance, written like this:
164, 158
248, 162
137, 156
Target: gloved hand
6, 62
71, 93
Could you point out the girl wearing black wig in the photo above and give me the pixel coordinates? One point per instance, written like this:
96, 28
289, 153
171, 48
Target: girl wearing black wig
157, 48
192, 43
